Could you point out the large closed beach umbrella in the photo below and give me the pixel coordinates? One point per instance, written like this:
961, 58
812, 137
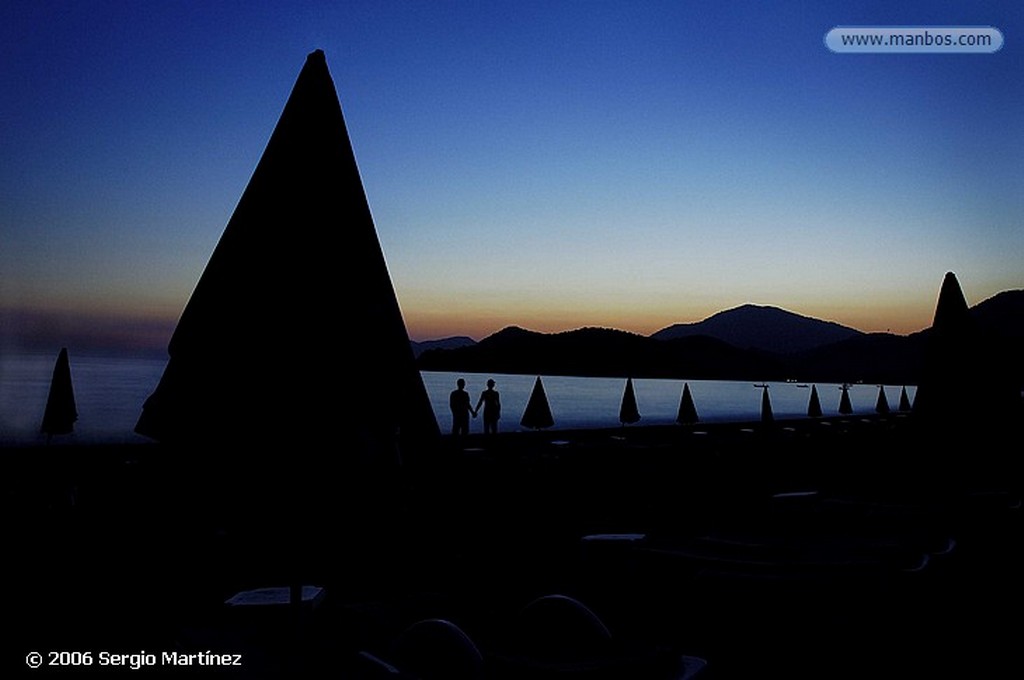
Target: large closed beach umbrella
252, 383
628, 411
251, 360
537, 415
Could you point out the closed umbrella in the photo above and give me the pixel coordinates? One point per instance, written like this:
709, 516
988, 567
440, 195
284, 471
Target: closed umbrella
61, 413
628, 411
251, 367
904, 400
845, 407
687, 409
814, 406
882, 404
766, 406
537, 415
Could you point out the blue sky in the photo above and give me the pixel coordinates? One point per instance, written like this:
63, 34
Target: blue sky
546, 164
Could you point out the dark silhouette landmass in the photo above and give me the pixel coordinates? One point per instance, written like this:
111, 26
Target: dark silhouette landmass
599, 352
766, 328
872, 357
860, 357
967, 366
453, 342
1002, 314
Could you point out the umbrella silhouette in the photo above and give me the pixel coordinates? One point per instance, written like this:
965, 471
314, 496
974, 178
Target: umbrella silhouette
687, 410
845, 407
247, 355
882, 404
766, 406
628, 412
60, 414
951, 363
904, 400
814, 406
537, 415
962, 358
246, 370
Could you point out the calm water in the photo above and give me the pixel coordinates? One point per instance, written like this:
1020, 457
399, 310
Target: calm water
109, 393
594, 402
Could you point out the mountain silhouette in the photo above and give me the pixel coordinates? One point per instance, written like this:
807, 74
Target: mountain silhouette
869, 358
1002, 315
605, 352
419, 348
765, 328
855, 356
585, 351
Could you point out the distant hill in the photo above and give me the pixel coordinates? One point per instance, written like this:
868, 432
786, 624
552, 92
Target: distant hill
895, 359
602, 352
1001, 319
869, 357
517, 350
1002, 314
419, 348
853, 356
765, 328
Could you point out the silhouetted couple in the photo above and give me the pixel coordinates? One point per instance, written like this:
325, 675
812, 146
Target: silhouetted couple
459, 403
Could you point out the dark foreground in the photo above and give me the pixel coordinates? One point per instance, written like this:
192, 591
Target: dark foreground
851, 548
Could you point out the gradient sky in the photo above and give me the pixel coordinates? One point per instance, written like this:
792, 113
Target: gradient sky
546, 164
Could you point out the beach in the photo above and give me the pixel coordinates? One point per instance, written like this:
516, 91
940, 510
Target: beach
158, 538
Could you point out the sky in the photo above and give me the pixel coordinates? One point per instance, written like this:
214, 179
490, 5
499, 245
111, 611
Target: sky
550, 165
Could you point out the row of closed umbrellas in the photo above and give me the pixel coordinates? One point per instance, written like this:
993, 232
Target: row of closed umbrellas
61, 413
537, 415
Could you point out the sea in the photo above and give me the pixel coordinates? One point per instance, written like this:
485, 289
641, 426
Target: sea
110, 392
